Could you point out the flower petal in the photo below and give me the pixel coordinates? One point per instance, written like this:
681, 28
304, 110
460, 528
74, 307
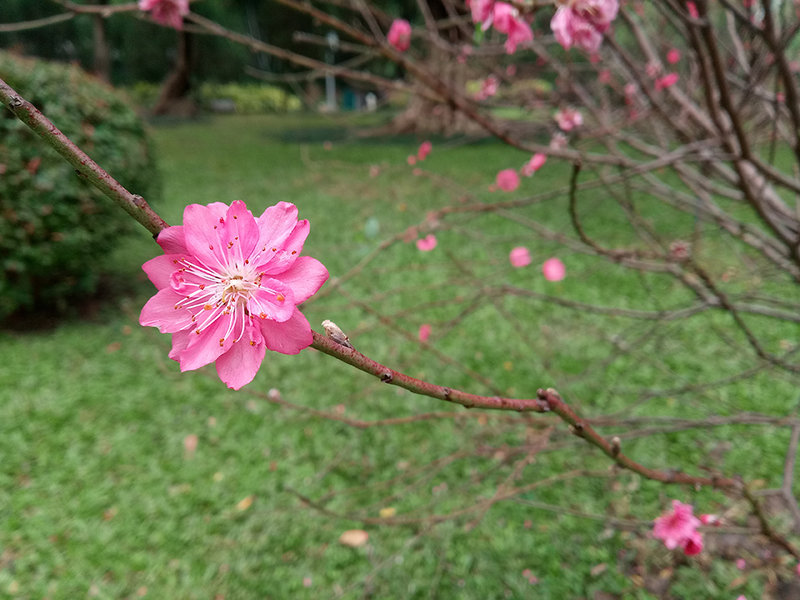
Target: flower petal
172, 240
289, 337
239, 233
207, 344
276, 224
239, 365
305, 277
273, 300
160, 268
284, 256
160, 312
180, 339
201, 227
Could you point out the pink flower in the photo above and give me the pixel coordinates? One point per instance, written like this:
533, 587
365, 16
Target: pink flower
520, 257
508, 21
582, 23
797, 569
507, 180
424, 149
554, 270
741, 564
691, 7
427, 243
399, 35
488, 88
424, 332
229, 285
678, 528
482, 11
568, 119
673, 56
707, 519
534, 164
166, 12
558, 141
666, 81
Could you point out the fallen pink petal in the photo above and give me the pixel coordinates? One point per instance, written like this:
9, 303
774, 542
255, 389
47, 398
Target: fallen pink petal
427, 243
229, 285
424, 332
520, 257
554, 270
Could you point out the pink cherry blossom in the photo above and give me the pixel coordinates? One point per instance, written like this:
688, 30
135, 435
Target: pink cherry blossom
534, 164
582, 23
558, 141
693, 544
424, 149
427, 243
673, 56
691, 7
507, 20
568, 119
677, 527
399, 35
488, 88
482, 11
424, 332
166, 12
520, 257
507, 180
708, 519
666, 81
741, 564
554, 270
229, 285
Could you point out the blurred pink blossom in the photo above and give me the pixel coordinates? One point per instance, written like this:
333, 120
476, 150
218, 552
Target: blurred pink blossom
424, 149
568, 119
582, 23
558, 141
673, 56
482, 11
666, 81
488, 88
166, 12
411, 159
679, 528
741, 564
507, 20
520, 257
399, 35
554, 270
507, 180
691, 7
427, 243
534, 164
424, 332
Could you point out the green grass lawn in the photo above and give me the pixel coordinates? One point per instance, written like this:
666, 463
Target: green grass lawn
100, 499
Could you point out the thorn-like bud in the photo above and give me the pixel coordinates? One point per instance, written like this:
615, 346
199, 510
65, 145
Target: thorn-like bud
333, 331
616, 446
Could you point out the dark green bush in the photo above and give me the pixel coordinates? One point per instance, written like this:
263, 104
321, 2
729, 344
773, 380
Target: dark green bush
55, 228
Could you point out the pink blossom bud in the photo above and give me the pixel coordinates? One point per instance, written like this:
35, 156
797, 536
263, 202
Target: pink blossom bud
399, 35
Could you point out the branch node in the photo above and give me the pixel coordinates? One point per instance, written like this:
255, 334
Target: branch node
446, 391
387, 377
616, 446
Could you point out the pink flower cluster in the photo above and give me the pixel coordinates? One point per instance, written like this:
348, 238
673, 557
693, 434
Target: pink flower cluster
568, 119
582, 23
678, 528
166, 12
229, 285
505, 19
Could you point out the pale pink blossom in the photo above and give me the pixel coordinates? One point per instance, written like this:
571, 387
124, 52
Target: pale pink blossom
673, 56
488, 88
653, 69
424, 332
166, 12
507, 20
534, 164
507, 180
229, 285
666, 81
678, 528
582, 23
424, 149
399, 35
797, 569
691, 7
709, 519
482, 11
604, 76
558, 141
554, 270
568, 119
519, 257
427, 243
741, 564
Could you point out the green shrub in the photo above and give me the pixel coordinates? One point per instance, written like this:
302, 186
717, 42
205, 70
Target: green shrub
55, 228
249, 98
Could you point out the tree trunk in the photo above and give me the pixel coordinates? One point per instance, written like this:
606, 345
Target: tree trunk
173, 98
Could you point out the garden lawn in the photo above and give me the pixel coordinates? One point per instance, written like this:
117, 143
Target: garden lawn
100, 498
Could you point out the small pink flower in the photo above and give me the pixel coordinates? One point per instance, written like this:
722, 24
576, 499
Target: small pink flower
741, 564
424, 332
427, 243
488, 88
399, 35
797, 569
691, 7
507, 20
653, 69
519, 257
482, 11
673, 56
666, 81
604, 76
554, 270
676, 527
558, 141
507, 180
568, 119
424, 149
229, 285
534, 164
166, 12
707, 519
582, 23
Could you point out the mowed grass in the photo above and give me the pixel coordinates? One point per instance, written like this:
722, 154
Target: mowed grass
100, 498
